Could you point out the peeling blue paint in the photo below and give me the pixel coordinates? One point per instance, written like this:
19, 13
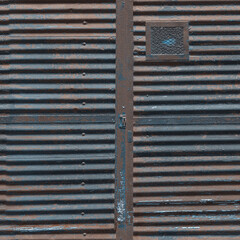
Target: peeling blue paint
169, 42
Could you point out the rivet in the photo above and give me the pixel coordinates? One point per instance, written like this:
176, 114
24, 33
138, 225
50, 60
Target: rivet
83, 134
84, 43
84, 22
84, 103
82, 213
83, 163
123, 107
84, 234
83, 183
84, 74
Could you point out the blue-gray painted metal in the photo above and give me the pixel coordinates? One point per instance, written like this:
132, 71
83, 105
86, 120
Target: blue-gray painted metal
57, 127
186, 134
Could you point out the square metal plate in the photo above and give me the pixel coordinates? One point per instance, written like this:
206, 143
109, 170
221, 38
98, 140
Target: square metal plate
167, 41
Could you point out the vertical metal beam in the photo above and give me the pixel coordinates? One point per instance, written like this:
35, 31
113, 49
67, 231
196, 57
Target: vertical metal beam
124, 121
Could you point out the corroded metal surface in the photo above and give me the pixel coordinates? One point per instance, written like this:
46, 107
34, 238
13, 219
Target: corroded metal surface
124, 122
186, 134
57, 122
57, 119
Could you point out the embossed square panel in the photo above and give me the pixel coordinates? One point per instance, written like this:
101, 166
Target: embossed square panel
167, 41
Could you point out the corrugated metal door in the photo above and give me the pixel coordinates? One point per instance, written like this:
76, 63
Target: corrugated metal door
186, 134
82, 109
57, 119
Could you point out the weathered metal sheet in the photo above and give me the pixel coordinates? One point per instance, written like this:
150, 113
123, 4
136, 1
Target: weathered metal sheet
57, 119
57, 122
186, 134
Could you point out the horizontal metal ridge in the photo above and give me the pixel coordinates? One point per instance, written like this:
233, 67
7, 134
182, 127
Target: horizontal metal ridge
72, 119
187, 120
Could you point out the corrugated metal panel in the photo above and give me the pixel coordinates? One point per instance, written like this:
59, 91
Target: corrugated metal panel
57, 116
186, 156
57, 180
208, 83
52, 18
47, 75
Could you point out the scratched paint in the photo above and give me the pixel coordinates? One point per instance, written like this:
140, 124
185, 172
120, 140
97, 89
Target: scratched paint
169, 42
